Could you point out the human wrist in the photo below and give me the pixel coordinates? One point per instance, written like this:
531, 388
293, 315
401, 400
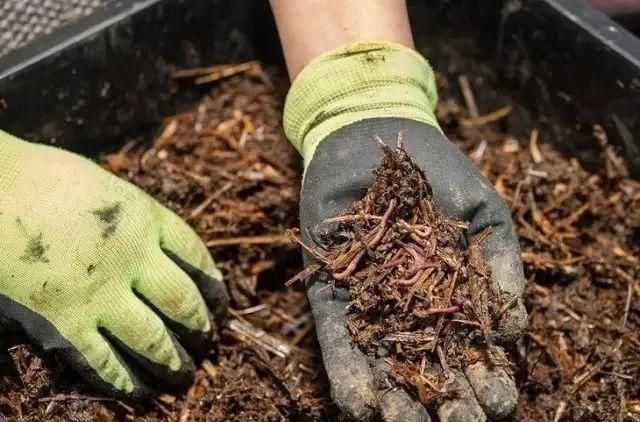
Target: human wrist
358, 81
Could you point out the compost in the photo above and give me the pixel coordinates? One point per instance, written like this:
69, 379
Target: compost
225, 166
418, 299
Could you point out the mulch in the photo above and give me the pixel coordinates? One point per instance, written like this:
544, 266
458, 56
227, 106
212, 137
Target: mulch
225, 166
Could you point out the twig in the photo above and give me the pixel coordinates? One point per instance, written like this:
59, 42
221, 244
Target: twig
293, 236
627, 304
163, 409
250, 240
203, 206
468, 96
559, 410
215, 72
494, 116
210, 369
447, 310
253, 309
304, 274
184, 414
569, 311
67, 397
537, 173
343, 218
618, 375
507, 306
443, 360
479, 152
167, 133
536, 155
197, 71
577, 383
260, 337
380, 231
467, 322
431, 384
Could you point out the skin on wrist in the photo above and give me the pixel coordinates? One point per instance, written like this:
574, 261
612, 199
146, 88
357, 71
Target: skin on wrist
310, 28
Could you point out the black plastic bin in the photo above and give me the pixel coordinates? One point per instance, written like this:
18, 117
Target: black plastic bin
91, 84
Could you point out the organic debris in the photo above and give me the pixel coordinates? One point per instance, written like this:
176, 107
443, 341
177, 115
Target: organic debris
579, 231
417, 297
226, 168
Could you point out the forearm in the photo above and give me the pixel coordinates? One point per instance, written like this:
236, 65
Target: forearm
311, 27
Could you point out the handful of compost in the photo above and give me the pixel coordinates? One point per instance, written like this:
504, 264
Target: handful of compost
334, 110
420, 301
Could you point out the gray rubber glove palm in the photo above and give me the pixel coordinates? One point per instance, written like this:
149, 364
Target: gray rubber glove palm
93, 268
336, 109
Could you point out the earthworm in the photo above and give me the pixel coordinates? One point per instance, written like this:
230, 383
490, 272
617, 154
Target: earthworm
395, 260
383, 225
411, 281
350, 268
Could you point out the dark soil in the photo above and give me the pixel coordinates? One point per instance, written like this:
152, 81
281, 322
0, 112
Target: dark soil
226, 167
580, 238
419, 299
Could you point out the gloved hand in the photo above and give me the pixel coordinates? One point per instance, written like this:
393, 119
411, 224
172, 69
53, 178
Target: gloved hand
96, 270
336, 108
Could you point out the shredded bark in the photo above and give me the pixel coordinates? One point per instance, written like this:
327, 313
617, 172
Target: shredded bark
579, 231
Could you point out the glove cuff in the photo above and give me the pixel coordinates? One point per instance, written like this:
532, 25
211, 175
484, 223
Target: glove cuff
357, 81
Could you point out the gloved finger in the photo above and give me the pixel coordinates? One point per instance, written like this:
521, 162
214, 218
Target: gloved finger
95, 360
175, 298
395, 404
494, 389
461, 405
513, 320
186, 249
89, 353
140, 333
350, 376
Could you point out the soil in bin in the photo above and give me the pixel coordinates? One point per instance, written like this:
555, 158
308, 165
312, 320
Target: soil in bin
225, 166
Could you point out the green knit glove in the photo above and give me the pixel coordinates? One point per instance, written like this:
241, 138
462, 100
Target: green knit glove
93, 268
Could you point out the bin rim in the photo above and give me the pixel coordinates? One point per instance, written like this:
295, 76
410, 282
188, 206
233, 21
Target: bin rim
69, 35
